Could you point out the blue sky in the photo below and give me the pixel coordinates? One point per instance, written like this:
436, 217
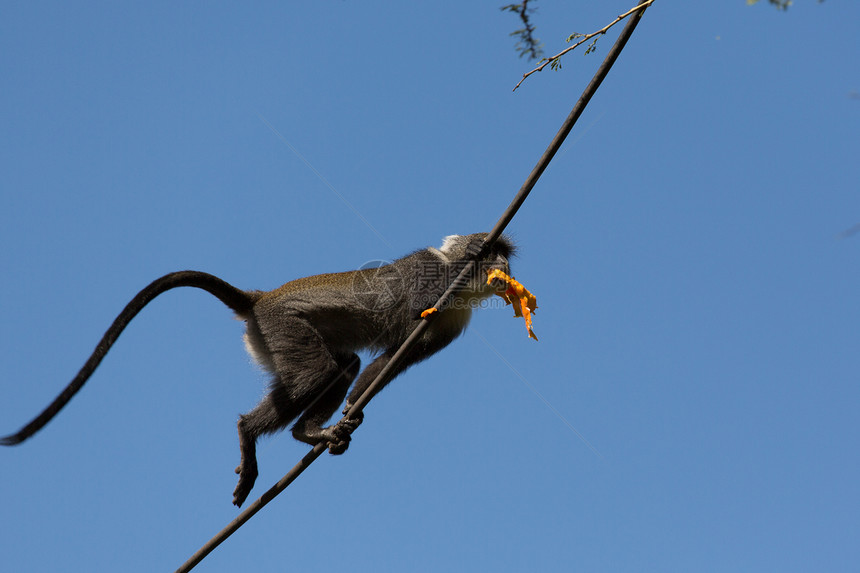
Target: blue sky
698, 316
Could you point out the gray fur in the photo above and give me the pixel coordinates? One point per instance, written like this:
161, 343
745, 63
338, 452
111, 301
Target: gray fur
306, 333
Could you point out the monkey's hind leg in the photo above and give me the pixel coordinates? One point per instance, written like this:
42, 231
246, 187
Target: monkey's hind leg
309, 427
272, 414
309, 378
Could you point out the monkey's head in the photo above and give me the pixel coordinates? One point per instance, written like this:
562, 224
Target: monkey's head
460, 248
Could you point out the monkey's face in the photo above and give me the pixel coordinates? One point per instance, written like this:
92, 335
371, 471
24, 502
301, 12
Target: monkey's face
497, 259
499, 256
498, 262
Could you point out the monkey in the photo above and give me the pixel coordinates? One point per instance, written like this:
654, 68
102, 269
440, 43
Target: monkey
305, 335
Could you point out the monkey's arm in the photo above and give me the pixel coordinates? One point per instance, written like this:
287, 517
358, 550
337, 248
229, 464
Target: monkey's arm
346, 426
432, 342
368, 376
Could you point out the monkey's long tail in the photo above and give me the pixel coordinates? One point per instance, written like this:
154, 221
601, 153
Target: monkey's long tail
241, 302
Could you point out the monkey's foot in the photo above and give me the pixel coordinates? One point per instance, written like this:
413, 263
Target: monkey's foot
359, 416
343, 434
247, 477
348, 425
338, 448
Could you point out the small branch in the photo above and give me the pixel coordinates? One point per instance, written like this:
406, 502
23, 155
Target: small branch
584, 39
527, 43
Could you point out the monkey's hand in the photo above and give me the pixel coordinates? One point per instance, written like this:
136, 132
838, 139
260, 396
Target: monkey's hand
473, 248
343, 430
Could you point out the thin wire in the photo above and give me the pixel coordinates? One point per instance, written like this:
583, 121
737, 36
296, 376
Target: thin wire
253, 508
534, 390
349, 205
385, 375
565, 128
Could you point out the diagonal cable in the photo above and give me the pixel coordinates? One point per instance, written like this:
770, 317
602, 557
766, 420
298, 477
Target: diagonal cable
385, 375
